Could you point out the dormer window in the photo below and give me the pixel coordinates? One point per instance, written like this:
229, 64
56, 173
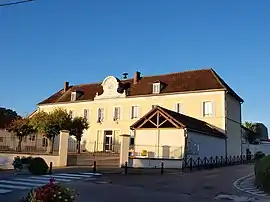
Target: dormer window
156, 88
73, 96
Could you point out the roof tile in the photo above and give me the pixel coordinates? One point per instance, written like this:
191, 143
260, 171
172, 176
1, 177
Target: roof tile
195, 80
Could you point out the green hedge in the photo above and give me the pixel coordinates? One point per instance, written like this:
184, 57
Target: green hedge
258, 155
262, 173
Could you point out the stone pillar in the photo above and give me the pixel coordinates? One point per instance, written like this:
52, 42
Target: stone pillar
63, 148
124, 149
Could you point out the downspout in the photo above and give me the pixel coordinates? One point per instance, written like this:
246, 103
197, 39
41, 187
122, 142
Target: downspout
158, 141
241, 129
186, 143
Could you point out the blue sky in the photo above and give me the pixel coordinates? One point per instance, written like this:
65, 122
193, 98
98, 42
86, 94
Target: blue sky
46, 42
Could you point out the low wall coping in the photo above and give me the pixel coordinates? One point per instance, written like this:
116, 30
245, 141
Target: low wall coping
159, 159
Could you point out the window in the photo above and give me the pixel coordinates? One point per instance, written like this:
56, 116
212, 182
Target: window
207, 108
100, 114
73, 96
156, 87
116, 114
72, 114
134, 112
86, 114
178, 108
1, 139
44, 142
32, 137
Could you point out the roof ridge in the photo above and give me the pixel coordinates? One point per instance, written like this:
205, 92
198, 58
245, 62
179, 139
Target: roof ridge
186, 71
165, 74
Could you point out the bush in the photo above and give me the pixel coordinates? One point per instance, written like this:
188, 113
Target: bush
262, 173
17, 163
38, 166
258, 155
26, 160
51, 192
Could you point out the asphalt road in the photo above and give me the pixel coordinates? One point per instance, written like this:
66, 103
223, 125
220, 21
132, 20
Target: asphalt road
201, 186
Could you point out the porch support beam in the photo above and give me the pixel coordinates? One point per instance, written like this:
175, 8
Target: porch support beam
148, 119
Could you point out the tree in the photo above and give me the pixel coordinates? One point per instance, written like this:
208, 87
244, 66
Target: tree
50, 124
7, 116
21, 127
78, 125
250, 134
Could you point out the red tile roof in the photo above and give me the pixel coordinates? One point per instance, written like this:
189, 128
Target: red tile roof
196, 80
183, 121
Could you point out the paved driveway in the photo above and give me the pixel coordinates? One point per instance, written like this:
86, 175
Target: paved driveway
201, 186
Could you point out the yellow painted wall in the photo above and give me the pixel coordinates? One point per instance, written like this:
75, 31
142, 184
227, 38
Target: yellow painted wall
165, 143
191, 104
233, 125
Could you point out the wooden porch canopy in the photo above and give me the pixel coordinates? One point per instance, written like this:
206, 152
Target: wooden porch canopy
156, 118
160, 117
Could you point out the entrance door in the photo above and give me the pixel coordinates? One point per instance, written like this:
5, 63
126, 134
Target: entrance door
108, 140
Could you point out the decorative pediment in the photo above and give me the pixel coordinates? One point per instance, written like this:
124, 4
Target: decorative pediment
111, 89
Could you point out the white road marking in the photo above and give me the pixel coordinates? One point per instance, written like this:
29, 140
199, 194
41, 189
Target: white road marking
95, 174
64, 177
74, 175
7, 186
21, 183
3, 191
13, 186
45, 181
46, 177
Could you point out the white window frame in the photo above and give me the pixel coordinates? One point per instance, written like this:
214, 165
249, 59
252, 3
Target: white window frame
100, 114
156, 88
73, 96
207, 108
72, 113
86, 116
115, 118
134, 114
44, 142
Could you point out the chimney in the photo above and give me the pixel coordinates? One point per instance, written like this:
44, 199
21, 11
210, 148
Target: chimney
66, 86
137, 76
125, 75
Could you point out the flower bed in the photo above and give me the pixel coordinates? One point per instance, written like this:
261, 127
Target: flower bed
51, 192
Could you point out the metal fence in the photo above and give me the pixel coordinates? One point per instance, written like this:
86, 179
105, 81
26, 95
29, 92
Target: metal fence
198, 163
94, 148
34, 144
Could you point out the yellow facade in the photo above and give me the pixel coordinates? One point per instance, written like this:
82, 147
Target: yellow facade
225, 108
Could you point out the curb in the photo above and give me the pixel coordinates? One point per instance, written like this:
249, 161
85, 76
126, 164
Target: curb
238, 182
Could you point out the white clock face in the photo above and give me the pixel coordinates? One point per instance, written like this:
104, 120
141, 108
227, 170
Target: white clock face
110, 86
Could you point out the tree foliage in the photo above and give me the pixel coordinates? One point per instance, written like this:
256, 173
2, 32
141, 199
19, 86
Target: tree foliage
50, 124
77, 126
251, 134
7, 116
21, 127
